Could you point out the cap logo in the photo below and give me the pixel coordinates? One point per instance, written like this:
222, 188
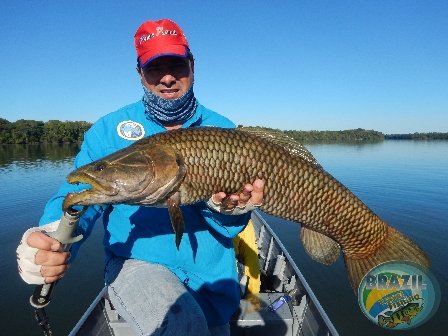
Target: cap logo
130, 130
160, 31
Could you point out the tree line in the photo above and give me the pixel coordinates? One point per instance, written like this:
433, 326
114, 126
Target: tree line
418, 136
354, 134
55, 131
362, 134
32, 131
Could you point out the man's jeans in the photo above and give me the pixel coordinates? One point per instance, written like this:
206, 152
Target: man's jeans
154, 301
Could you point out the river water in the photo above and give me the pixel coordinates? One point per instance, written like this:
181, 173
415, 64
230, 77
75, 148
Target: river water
404, 182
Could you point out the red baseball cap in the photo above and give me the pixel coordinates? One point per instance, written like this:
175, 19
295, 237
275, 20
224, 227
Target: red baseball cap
159, 38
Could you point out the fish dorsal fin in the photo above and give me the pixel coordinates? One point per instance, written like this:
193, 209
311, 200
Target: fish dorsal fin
319, 247
278, 137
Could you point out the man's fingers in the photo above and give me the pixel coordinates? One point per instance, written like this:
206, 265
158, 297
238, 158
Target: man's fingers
50, 250
257, 193
50, 258
41, 241
219, 197
231, 202
54, 264
227, 203
49, 280
53, 271
245, 194
252, 192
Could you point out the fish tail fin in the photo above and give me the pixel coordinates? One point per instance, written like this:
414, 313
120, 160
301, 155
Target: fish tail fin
396, 247
381, 320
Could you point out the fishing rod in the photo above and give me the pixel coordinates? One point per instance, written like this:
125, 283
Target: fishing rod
63, 234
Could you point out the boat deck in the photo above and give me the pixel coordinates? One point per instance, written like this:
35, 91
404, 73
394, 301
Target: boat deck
302, 316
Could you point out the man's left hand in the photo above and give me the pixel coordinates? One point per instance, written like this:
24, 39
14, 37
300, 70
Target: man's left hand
250, 197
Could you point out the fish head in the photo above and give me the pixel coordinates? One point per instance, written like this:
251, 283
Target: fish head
138, 175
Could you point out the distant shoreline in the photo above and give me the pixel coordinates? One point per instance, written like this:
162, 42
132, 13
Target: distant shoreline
360, 134
55, 131
39, 132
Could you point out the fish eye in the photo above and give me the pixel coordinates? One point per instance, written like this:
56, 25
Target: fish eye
99, 166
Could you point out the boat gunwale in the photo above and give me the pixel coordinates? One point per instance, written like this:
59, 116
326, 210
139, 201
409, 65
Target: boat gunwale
87, 313
302, 279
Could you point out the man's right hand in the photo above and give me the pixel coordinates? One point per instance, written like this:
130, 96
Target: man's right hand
40, 257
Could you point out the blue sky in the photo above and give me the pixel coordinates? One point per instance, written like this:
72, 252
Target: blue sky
305, 65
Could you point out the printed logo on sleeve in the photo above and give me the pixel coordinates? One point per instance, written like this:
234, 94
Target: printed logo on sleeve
130, 130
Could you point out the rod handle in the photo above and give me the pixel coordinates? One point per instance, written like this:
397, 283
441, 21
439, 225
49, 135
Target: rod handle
64, 234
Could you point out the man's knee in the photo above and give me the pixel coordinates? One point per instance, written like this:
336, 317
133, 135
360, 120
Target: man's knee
153, 299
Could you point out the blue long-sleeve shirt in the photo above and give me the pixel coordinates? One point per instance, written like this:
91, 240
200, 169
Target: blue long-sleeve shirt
205, 261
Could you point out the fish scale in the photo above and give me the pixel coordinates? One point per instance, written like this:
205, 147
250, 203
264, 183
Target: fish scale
195, 163
254, 157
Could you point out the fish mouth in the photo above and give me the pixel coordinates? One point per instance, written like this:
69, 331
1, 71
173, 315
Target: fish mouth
100, 192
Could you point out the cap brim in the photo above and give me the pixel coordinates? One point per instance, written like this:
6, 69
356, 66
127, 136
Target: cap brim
171, 50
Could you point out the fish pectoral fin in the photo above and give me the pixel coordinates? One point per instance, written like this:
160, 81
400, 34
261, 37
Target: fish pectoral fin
319, 247
176, 217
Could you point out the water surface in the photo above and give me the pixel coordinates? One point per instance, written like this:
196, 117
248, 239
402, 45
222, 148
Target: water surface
404, 182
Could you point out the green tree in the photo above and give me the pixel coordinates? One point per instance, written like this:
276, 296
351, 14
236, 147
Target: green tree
5, 131
27, 131
53, 131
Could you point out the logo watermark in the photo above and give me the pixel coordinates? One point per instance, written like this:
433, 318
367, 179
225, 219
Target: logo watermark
399, 295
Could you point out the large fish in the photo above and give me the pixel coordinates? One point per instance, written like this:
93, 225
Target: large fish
189, 165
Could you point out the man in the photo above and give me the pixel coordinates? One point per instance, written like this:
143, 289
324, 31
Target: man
155, 287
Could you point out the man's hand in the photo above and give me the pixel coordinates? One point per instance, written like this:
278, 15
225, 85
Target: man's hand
251, 194
40, 258
54, 262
